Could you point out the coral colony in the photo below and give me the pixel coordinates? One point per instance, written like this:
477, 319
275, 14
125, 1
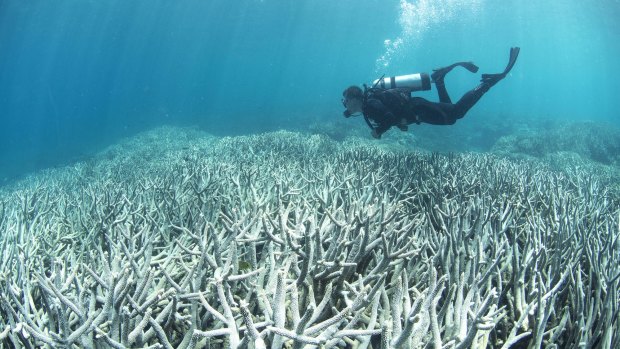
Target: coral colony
290, 241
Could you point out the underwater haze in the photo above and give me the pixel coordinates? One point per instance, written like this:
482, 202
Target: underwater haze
76, 76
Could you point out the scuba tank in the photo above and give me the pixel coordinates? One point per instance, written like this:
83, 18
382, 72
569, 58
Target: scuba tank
413, 82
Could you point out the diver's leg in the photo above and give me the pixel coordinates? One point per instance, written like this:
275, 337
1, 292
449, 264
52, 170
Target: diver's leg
442, 92
438, 78
468, 100
488, 80
425, 111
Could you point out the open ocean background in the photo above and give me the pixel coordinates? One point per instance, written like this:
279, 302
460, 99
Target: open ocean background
77, 76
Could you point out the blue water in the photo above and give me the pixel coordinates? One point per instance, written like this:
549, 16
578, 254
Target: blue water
77, 75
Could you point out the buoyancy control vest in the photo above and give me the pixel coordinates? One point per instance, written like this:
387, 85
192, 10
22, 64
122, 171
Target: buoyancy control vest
395, 91
395, 99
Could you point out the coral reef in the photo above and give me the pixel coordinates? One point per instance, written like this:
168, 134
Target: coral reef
282, 240
338, 130
597, 142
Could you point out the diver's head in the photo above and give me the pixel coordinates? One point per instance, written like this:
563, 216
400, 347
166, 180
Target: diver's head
352, 100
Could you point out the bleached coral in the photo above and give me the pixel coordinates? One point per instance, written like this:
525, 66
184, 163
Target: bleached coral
280, 240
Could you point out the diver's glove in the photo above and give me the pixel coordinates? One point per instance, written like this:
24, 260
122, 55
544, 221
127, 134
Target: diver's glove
403, 125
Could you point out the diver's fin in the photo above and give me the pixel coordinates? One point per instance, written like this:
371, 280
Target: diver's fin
494, 78
440, 73
514, 53
470, 66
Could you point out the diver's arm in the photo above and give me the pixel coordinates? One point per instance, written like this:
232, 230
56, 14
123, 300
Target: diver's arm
381, 129
382, 116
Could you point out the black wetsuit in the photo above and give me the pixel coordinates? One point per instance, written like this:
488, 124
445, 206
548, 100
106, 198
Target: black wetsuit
383, 109
386, 108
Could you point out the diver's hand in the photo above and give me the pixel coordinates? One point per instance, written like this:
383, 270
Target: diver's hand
375, 135
403, 125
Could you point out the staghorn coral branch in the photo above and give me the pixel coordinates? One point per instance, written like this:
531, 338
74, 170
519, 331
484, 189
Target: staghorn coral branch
61, 297
523, 256
294, 336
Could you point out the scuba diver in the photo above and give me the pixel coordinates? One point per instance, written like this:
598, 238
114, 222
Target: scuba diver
389, 102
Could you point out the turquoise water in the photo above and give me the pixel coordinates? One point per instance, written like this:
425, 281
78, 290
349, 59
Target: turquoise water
75, 76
